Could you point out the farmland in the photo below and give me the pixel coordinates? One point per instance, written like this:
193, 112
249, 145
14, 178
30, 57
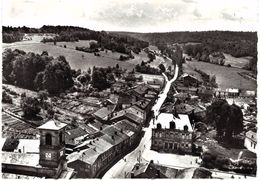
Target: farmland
226, 77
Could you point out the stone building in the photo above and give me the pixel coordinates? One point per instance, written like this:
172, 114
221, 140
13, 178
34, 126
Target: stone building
172, 135
50, 162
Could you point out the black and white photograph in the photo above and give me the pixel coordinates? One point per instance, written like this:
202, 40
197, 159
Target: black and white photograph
121, 89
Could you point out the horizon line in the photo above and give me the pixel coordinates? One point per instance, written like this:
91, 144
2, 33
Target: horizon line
125, 31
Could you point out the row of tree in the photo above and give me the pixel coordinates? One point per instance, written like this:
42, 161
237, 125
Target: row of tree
12, 37
37, 72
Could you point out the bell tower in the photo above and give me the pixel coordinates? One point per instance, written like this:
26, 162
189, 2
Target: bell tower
52, 145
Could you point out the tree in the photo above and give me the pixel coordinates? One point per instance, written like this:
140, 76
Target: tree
57, 76
99, 79
228, 119
6, 98
162, 67
30, 106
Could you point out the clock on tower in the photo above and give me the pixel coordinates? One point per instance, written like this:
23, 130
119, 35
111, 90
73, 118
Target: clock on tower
52, 144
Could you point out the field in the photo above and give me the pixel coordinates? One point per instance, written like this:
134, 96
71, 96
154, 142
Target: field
73, 45
76, 59
236, 62
226, 77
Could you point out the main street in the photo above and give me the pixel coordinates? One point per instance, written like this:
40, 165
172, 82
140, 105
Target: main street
126, 164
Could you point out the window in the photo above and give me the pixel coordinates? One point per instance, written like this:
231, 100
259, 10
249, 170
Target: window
166, 146
61, 141
155, 142
254, 146
48, 139
175, 146
170, 146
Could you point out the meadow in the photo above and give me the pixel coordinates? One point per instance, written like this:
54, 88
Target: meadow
226, 77
76, 59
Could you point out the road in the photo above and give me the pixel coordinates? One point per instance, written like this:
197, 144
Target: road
126, 164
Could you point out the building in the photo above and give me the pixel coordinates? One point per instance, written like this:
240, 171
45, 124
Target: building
250, 141
173, 135
190, 81
151, 170
95, 155
50, 162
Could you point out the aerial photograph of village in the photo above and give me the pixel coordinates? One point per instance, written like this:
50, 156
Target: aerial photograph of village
129, 89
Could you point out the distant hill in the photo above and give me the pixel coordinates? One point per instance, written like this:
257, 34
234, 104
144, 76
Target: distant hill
114, 42
238, 44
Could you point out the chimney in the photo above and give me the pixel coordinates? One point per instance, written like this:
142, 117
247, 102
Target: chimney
90, 143
115, 132
101, 128
137, 166
113, 137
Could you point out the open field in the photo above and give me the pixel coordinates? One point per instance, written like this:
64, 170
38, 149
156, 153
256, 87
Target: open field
76, 59
236, 62
73, 45
226, 77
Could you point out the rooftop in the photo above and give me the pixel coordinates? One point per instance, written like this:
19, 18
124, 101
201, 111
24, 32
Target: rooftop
74, 133
165, 118
183, 108
52, 125
19, 176
143, 104
29, 145
103, 113
22, 159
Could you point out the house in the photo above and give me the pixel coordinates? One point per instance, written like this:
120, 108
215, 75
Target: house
250, 141
190, 80
75, 136
156, 84
151, 170
173, 135
104, 113
144, 107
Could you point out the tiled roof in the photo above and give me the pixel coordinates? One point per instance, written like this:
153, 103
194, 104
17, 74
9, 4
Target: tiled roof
53, 125
126, 125
74, 133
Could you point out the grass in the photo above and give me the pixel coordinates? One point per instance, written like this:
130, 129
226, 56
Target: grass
73, 45
236, 62
226, 77
76, 59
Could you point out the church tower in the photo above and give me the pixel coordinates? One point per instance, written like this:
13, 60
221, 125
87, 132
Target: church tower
52, 145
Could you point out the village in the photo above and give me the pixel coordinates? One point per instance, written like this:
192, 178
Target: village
153, 120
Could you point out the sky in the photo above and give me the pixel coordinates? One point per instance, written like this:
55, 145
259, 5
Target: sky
134, 15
